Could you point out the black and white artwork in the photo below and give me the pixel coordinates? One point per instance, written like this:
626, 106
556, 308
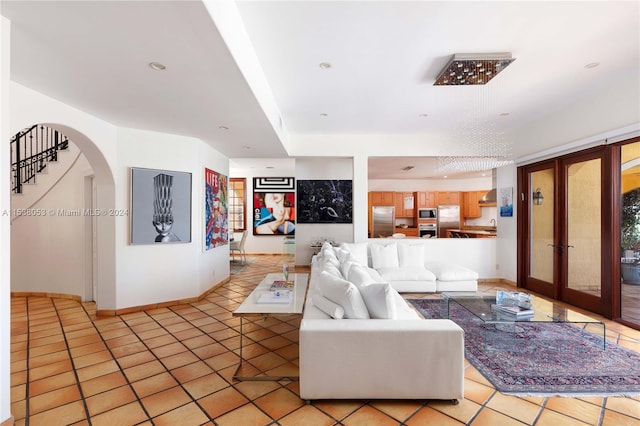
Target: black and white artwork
160, 206
325, 201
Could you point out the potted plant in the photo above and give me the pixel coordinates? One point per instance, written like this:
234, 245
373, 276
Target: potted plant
630, 236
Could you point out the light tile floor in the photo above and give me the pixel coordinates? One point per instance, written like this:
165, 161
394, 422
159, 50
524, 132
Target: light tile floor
174, 366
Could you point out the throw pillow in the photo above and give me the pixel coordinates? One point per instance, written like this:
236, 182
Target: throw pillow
411, 255
358, 251
360, 276
328, 307
384, 256
346, 267
380, 300
345, 294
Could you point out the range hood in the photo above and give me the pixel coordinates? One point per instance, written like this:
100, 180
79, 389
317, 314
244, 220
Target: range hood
491, 197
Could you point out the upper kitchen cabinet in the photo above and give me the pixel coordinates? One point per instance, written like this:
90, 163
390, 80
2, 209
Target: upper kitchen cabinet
471, 207
448, 198
426, 200
405, 204
382, 198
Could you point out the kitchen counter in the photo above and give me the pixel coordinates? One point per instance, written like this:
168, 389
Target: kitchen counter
472, 233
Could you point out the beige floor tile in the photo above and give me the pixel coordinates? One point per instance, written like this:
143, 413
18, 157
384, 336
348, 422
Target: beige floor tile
189, 414
338, 409
154, 384
398, 409
221, 402
514, 407
125, 415
62, 415
164, 401
576, 408
109, 400
613, 418
308, 415
169, 350
141, 371
429, 416
552, 418
489, 417
627, 406
463, 411
279, 403
179, 360
191, 371
472, 373
205, 385
477, 392
248, 414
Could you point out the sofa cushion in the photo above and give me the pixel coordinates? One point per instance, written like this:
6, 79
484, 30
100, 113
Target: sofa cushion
344, 294
380, 300
361, 276
332, 269
327, 306
358, 251
446, 271
346, 266
384, 256
415, 273
411, 255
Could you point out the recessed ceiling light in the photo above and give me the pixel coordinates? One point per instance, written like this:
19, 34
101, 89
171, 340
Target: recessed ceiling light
407, 168
246, 147
269, 167
423, 115
504, 114
592, 65
157, 66
223, 127
325, 65
324, 114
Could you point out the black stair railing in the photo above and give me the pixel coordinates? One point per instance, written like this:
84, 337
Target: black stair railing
31, 150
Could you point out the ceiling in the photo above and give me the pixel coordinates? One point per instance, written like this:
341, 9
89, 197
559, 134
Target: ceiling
383, 56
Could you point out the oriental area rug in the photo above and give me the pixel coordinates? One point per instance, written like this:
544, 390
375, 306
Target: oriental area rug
544, 359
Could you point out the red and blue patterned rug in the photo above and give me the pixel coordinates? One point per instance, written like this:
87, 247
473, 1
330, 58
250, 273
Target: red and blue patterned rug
543, 358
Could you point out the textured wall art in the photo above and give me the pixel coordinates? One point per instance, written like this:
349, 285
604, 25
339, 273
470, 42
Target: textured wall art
274, 211
160, 206
325, 201
216, 217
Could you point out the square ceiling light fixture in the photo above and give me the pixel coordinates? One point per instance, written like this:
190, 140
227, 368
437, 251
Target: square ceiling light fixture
473, 68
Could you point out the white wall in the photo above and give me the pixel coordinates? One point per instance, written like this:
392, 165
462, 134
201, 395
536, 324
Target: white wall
162, 272
47, 248
506, 242
306, 233
5, 227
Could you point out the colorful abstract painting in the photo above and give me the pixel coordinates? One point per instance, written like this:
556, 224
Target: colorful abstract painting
216, 222
274, 211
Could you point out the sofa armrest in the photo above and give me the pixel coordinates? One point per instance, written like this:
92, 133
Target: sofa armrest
372, 359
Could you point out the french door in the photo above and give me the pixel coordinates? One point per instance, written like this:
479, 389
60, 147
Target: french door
562, 251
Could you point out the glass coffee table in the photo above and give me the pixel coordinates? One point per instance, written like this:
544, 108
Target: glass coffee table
500, 330
255, 306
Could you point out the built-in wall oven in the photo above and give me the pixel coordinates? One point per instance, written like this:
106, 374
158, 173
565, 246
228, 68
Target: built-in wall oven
427, 230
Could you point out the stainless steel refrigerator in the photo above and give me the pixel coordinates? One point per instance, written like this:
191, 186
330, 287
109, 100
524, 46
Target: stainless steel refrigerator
383, 219
448, 218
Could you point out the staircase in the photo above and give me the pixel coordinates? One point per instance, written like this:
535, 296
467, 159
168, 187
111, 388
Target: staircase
31, 150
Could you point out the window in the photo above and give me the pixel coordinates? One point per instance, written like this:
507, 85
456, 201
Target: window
237, 204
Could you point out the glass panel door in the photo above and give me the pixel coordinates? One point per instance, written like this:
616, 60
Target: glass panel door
584, 233
542, 225
630, 233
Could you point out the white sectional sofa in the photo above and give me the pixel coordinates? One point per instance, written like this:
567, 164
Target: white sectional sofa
359, 339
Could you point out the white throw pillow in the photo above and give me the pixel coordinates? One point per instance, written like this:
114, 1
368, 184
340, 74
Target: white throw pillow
333, 270
360, 276
344, 294
380, 300
411, 255
335, 311
346, 267
358, 252
384, 256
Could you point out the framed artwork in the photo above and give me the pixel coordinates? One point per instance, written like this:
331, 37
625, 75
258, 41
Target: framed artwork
274, 211
216, 219
160, 206
325, 201
506, 202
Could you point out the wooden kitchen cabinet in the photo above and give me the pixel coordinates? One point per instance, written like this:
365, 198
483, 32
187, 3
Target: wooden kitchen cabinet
401, 208
426, 199
448, 198
382, 198
470, 206
409, 232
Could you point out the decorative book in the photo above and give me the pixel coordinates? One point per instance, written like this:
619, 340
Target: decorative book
514, 310
282, 285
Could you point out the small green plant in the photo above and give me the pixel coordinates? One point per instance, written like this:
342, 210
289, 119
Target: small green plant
630, 238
